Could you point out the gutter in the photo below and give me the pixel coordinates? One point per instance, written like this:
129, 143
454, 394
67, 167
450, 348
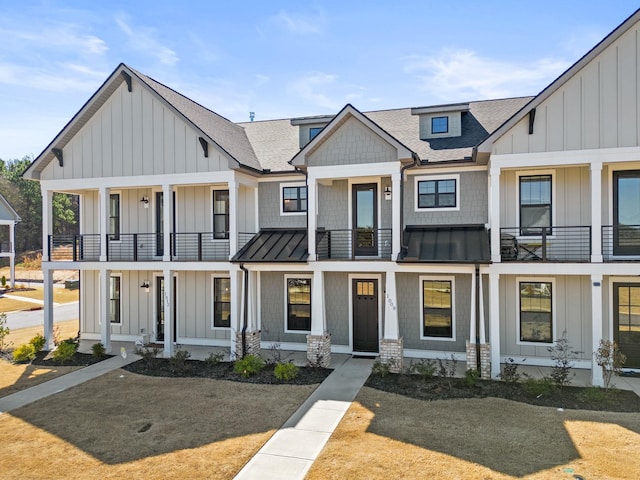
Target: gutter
245, 314
416, 163
477, 307
306, 184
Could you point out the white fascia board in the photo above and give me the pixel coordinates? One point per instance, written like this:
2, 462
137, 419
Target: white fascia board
437, 170
293, 177
454, 107
569, 157
353, 171
543, 268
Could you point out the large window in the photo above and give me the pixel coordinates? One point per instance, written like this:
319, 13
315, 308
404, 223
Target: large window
626, 212
437, 308
298, 298
114, 216
536, 311
221, 214
115, 310
437, 192
221, 302
535, 204
294, 199
439, 125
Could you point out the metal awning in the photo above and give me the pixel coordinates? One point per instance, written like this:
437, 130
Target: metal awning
446, 244
275, 245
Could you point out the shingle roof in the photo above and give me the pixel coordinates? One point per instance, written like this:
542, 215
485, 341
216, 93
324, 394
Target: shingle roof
275, 142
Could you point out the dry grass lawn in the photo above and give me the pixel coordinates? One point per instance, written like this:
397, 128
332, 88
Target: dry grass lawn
60, 295
124, 425
10, 305
16, 377
385, 436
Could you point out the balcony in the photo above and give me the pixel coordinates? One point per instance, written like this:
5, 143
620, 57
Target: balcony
620, 243
199, 247
545, 244
74, 248
354, 244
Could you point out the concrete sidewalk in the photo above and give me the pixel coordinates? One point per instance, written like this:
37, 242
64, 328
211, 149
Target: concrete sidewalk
59, 384
291, 451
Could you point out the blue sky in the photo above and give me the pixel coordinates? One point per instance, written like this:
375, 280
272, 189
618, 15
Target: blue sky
285, 59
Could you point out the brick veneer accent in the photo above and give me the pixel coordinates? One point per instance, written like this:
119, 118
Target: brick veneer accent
392, 353
253, 343
472, 362
485, 361
319, 349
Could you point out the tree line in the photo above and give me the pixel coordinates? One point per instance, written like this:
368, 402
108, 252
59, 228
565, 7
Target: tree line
26, 199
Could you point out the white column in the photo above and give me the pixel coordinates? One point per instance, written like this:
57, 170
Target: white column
494, 326
168, 312
48, 307
494, 214
167, 215
252, 320
472, 324
396, 221
483, 334
596, 212
233, 218
47, 222
311, 214
235, 285
12, 253
103, 201
318, 317
596, 328
105, 307
391, 327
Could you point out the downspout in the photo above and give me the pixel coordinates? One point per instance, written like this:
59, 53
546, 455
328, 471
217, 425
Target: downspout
477, 306
245, 314
416, 163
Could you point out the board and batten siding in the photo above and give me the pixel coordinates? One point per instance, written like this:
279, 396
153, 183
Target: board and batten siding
597, 108
195, 306
134, 133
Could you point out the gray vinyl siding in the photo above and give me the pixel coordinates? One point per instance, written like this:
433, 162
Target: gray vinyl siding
269, 208
336, 304
596, 108
246, 212
473, 201
410, 313
352, 143
134, 133
572, 299
272, 309
333, 201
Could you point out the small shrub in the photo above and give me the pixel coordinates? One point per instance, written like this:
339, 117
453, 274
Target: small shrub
38, 342
447, 367
471, 377
595, 394
316, 362
276, 354
538, 386
611, 359
382, 369
248, 366
510, 372
424, 368
65, 351
563, 356
97, 350
56, 334
214, 359
286, 371
147, 354
24, 353
178, 361
3, 281
4, 331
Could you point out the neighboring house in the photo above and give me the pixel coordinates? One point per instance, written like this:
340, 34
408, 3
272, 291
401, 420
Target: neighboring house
417, 232
9, 218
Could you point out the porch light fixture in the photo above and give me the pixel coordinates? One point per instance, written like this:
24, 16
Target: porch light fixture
145, 285
145, 202
387, 192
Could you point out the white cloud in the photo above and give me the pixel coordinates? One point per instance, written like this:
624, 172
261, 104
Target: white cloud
57, 37
144, 40
299, 23
57, 78
455, 74
312, 88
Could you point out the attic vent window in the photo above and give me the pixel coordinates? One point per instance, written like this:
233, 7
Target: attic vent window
313, 131
439, 125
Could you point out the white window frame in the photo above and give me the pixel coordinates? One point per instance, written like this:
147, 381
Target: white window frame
423, 178
213, 302
218, 188
116, 275
554, 320
286, 303
438, 278
281, 188
529, 173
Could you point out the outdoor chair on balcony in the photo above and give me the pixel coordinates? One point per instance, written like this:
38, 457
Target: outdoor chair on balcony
512, 250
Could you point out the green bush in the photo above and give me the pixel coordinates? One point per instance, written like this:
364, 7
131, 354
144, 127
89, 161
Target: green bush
248, 366
382, 369
425, 368
65, 351
286, 371
147, 354
97, 350
24, 353
214, 359
178, 361
510, 372
38, 342
538, 386
471, 377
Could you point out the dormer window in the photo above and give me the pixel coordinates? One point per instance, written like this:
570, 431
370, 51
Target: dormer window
313, 131
441, 121
310, 127
439, 125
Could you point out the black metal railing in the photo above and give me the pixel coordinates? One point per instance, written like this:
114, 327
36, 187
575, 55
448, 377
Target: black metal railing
135, 247
546, 244
199, 247
351, 244
620, 243
74, 248
5, 247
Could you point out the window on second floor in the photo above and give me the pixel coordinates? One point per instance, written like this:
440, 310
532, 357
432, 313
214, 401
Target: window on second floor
294, 199
441, 192
313, 131
439, 125
114, 216
220, 214
535, 203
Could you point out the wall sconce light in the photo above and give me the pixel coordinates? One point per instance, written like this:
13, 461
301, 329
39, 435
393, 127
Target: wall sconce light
145, 202
387, 192
145, 285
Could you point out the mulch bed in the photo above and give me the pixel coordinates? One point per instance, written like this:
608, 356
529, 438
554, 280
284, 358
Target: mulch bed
163, 367
437, 388
44, 359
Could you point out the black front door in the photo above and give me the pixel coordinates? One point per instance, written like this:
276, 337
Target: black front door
626, 212
160, 309
365, 315
365, 219
626, 321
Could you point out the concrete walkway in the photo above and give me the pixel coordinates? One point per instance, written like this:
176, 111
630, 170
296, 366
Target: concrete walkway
289, 454
59, 384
